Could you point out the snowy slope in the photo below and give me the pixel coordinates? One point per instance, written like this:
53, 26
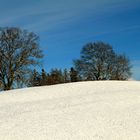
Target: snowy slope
107, 110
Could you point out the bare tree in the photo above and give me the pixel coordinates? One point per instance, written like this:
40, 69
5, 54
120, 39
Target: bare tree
19, 49
99, 62
121, 68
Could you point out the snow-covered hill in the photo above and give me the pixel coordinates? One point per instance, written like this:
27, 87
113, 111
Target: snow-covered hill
108, 110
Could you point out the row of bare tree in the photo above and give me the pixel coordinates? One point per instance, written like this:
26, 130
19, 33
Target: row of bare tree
20, 51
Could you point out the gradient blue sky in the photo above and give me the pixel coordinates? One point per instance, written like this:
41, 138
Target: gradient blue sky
64, 26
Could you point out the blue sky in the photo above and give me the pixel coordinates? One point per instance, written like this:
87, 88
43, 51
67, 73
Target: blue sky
64, 26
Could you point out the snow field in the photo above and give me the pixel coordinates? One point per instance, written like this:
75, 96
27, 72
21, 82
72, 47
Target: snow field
103, 110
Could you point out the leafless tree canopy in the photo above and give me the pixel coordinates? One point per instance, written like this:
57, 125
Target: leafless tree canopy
99, 62
19, 49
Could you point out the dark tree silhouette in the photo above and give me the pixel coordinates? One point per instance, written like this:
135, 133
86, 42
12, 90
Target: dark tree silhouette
43, 77
99, 62
35, 79
55, 77
121, 69
66, 76
19, 49
73, 75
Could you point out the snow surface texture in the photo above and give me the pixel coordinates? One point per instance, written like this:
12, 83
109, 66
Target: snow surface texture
108, 110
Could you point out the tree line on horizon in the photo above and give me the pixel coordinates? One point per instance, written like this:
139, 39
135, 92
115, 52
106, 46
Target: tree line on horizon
20, 52
55, 76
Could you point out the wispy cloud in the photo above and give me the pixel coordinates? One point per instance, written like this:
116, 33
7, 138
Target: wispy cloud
66, 22
49, 15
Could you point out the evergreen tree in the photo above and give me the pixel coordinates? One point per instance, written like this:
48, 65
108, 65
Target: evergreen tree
43, 78
35, 79
73, 75
66, 76
55, 77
